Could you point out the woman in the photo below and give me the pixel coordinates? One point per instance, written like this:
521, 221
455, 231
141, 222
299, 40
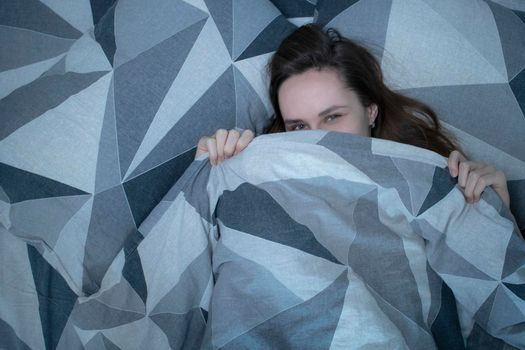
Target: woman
320, 80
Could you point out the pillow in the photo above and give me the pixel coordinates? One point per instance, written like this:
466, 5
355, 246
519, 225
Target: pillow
102, 107
466, 59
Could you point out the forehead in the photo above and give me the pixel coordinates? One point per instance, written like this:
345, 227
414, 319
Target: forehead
312, 92
313, 80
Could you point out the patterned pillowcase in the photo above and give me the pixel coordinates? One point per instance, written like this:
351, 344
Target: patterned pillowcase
464, 59
101, 109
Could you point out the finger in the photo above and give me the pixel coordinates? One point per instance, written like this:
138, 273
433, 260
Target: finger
499, 184
220, 137
202, 146
481, 185
465, 168
454, 159
476, 184
211, 144
231, 142
491, 177
246, 137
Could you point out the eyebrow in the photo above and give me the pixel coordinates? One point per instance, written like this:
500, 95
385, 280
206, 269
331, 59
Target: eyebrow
330, 110
321, 114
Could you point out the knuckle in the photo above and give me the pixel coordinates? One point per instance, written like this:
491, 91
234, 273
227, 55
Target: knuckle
235, 133
228, 151
482, 182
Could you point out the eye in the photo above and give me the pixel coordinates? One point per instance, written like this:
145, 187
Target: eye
332, 117
297, 127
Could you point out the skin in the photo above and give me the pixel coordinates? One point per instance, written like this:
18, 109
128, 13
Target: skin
319, 99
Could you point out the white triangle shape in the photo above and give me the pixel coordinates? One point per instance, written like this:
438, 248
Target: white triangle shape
62, 144
476, 24
70, 245
302, 273
254, 70
470, 292
422, 49
139, 27
173, 243
14, 78
85, 56
362, 323
198, 4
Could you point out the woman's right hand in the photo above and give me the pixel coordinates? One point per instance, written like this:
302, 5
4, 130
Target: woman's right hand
224, 144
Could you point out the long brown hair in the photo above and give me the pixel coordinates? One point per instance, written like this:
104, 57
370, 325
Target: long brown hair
400, 118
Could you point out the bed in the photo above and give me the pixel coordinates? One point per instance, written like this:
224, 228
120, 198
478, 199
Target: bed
102, 104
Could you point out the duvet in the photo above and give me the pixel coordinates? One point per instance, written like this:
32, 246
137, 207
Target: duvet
313, 240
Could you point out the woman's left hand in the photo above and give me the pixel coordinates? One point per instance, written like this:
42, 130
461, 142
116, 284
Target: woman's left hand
474, 177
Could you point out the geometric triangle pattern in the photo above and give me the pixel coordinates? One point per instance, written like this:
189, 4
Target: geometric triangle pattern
55, 304
110, 117
317, 331
241, 255
446, 326
103, 102
284, 229
119, 95
296, 8
275, 279
472, 74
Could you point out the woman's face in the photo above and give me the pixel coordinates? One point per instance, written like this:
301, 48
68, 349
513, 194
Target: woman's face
318, 99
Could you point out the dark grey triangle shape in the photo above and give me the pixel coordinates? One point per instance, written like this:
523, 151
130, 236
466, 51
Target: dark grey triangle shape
517, 200
203, 118
222, 14
136, 108
445, 328
100, 8
328, 9
51, 90
512, 33
55, 299
21, 185
375, 251
9, 339
105, 33
269, 39
311, 322
442, 184
252, 210
293, 9
518, 88
36, 16
111, 223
